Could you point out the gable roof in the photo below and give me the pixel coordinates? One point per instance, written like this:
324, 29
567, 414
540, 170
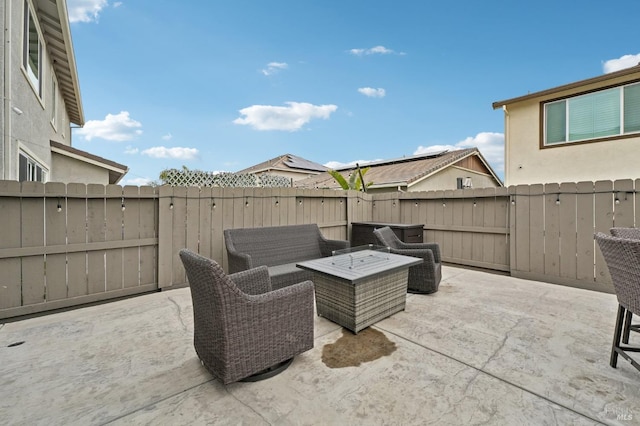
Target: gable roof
54, 19
116, 170
594, 80
286, 162
405, 171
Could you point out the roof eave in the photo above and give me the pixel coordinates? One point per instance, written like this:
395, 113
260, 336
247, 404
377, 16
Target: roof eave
66, 31
558, 89
54, 18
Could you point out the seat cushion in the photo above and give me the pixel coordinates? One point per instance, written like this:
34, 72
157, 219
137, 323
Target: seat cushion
287, 274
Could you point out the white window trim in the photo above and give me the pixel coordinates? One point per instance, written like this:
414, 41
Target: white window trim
34, 158
38, 91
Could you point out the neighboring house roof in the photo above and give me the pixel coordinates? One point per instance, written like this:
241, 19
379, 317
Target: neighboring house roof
549, 92
286, 162
54, 19
116, 170
405, 171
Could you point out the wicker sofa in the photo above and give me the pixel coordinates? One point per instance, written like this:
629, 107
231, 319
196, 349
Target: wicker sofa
279, 248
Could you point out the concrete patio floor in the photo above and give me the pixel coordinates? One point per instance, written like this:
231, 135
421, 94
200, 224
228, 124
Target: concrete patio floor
485, 349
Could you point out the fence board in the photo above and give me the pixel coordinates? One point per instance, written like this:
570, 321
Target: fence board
192, 221
477, 239
96, 233
56, 234
131, 225
466, 220
10, 279
76, 214
552, 229
603, 215
113, 232
584, 231
567, 230
32, 213
536, 229
501, 242
456, 218
179, 235
488, 240
623, 205
520, 239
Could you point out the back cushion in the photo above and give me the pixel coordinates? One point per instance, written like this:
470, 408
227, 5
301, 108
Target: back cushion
277, 245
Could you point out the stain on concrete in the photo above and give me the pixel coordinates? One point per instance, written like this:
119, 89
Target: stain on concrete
351, 350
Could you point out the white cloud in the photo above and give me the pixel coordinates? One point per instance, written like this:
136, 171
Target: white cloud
137, 181
290, 118
372, 93
178, 153
167, 137
131, 150
119, 127
491, 146
274, 67
376, 50
117, 4
626, 61
85, 10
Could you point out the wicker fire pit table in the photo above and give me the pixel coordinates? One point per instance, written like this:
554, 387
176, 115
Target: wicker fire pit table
358, 287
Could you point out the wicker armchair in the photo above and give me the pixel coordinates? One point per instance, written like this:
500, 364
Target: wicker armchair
623, 260
423, 278
242, 329
632, 234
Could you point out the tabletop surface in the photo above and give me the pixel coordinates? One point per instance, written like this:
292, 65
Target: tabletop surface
359, 265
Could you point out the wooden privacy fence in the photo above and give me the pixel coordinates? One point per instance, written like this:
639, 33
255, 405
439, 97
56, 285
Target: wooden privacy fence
195, 218
552, 228
64, 245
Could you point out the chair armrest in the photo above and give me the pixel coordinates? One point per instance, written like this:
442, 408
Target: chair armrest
238, 261
253, 281
434, 247
327, 246
290, 304
426, 254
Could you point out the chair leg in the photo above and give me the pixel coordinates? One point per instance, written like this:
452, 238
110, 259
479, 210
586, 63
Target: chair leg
627, 327
616, 336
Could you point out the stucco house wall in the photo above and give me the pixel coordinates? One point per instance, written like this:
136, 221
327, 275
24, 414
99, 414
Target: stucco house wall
67, 169
448, 179
28, 116
37, 122
528, 162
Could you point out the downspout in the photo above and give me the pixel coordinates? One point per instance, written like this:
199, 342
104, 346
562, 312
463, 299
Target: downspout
6, 96
506, 145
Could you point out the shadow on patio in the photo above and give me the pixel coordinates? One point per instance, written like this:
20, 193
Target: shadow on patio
485, 349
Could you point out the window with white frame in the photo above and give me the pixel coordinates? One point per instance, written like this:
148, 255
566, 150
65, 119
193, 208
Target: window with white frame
32, 50
30, 169
603, 114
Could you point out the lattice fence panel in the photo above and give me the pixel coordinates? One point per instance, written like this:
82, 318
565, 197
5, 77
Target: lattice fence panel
198, 178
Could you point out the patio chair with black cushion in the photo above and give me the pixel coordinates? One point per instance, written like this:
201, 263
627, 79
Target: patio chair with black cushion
632, 234
622, 257
243, 331
423, 278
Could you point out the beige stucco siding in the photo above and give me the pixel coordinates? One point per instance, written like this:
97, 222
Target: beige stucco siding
447, 179
527, 163
66, 169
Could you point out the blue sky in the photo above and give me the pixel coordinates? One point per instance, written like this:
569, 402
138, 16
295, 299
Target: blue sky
223, 85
